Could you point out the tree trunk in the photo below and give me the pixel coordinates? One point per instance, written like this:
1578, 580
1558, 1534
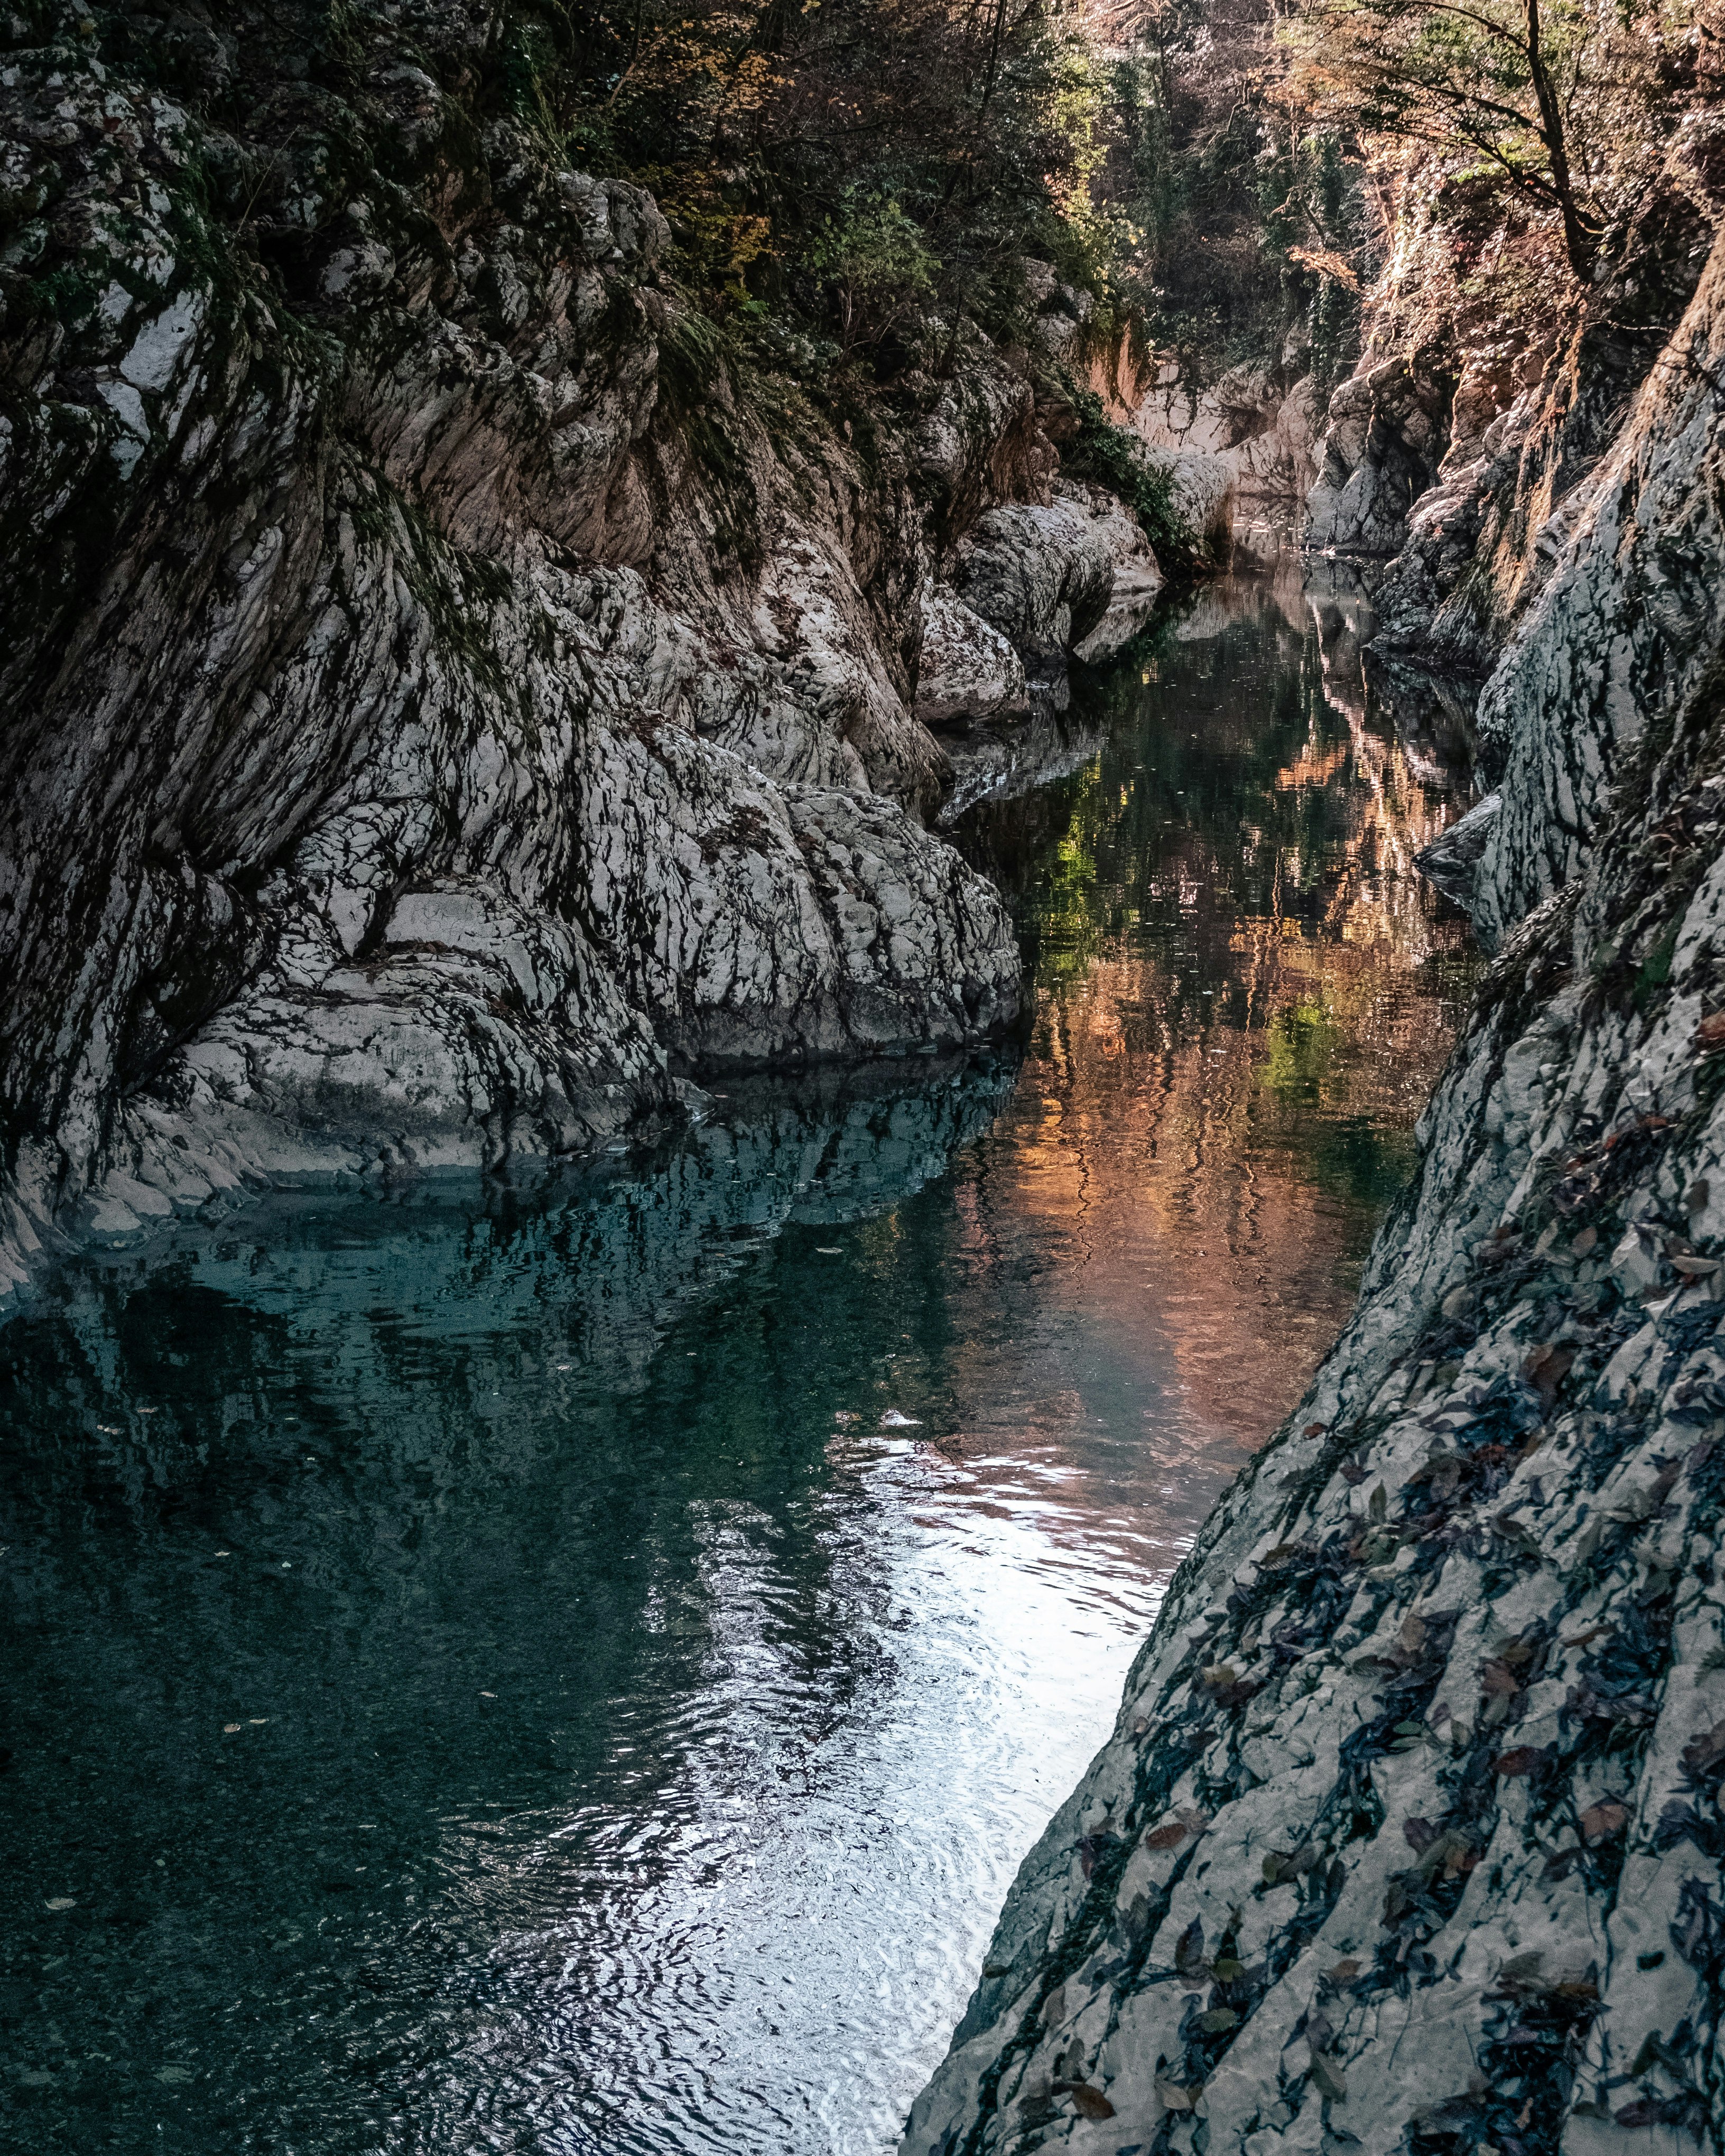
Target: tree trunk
1580, 242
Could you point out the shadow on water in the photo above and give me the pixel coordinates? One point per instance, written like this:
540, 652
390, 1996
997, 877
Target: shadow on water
575, 1669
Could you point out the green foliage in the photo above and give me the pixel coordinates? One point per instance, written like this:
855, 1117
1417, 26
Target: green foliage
1110, 457
872, 261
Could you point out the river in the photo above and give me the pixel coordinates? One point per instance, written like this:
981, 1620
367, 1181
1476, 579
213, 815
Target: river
575, 1667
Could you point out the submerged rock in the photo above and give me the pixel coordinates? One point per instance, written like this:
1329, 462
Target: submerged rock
1452, 860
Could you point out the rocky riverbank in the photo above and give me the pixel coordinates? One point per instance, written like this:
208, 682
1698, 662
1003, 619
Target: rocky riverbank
1409, 1832
454, 703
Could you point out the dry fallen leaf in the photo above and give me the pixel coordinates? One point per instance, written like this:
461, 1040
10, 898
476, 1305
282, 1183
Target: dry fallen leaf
1602, 1819
1089, 2103
1166, 1837
1173, 2096
1521, 1760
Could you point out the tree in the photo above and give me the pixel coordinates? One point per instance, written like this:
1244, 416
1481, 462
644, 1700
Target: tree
1497, 78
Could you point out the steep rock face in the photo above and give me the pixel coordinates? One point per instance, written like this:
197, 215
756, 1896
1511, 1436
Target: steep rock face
1409, 1833
1385, 440
441, 707
1258, 425
1458, 549
1627, 625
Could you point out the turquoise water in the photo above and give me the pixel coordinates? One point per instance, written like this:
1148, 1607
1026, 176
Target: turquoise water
576, 1668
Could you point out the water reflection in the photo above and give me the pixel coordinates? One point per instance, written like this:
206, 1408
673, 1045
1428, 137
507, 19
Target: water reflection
1245, 989
575, 1670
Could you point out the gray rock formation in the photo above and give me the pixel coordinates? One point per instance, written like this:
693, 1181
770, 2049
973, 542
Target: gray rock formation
1452, 860
1409, 1834
1041, 575
1243, 447
1386, 437
1625, 629
1073, 575
444, 709
968, 668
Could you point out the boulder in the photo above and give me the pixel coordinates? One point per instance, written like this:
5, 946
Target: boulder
967, 668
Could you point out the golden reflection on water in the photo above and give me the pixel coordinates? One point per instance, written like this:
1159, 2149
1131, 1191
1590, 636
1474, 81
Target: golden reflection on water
1245, 991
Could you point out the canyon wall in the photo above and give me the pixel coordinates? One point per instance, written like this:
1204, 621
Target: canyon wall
452, 701
1409, 1834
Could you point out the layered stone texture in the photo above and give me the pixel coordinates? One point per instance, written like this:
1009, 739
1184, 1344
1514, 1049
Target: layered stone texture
1627, 626
450, 704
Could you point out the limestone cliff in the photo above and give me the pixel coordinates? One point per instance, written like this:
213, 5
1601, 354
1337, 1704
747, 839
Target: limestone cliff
449, 697
1409, 1833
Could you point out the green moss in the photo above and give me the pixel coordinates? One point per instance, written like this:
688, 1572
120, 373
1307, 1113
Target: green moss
1111, 457
698, 389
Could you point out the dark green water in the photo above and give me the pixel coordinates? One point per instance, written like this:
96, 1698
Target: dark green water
491, 1671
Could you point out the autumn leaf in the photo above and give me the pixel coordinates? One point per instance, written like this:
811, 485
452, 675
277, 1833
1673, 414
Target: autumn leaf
1189, 1954
1521, 1760
1174, 2096
1710, 1034
1166, 1837
1602, 1819
1089, 2103
1705, 1751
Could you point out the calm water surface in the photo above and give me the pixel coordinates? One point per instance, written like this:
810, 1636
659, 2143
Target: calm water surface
577, 1670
